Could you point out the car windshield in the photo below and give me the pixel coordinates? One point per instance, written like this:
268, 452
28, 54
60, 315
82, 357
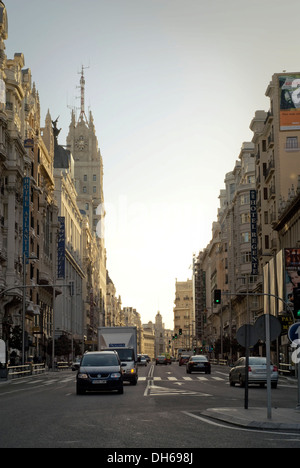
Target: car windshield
257, 361
99, 360
125, 354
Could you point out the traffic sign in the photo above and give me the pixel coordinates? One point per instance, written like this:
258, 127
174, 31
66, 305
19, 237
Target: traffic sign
247, 336
260, 327
294, 332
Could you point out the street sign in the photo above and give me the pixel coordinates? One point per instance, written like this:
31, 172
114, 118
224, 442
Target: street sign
247, 340
286, 321
294, 332
260, 327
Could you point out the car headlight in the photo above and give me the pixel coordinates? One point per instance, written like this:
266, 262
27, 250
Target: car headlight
115, 375
82, 376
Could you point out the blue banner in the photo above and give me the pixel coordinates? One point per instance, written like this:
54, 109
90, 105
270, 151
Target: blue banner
61, 255
253, 221
26, 206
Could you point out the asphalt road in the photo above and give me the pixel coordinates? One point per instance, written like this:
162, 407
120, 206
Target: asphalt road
162, 411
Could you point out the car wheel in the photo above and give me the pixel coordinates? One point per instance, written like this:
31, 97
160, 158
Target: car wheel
274, 384
121, 391
231, 383
242, 384
80, 391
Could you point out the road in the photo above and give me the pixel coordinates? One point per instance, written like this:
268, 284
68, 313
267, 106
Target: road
159, 412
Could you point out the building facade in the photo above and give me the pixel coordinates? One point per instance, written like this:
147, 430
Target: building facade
184, 317
269, 166
28, 212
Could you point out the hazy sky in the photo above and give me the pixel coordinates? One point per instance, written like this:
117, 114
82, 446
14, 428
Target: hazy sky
173, 86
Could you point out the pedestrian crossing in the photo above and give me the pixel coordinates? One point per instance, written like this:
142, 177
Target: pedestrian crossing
45, 381
186, 379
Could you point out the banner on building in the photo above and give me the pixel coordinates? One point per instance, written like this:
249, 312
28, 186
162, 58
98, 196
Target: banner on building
292, 271
26, 214
253, 221
2, 92
289, 99
61, 245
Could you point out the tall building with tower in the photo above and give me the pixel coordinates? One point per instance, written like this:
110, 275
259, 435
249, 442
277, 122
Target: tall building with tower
88, 174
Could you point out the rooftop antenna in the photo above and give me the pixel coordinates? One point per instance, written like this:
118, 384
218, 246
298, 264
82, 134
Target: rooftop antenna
82, 115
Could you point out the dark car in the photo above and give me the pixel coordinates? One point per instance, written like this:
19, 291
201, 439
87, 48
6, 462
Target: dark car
184, 359
99, 370
198, 363
161, 360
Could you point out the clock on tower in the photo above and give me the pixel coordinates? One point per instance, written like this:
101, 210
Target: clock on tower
81, 143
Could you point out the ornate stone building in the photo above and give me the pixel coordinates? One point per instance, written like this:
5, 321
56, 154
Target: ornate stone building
28, 212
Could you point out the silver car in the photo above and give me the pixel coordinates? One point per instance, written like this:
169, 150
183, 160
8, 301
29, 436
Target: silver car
257, 372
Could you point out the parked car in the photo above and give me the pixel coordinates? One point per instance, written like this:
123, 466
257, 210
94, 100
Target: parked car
147, 357
161, 360
198, 363
183, 359
99, 370
257, 372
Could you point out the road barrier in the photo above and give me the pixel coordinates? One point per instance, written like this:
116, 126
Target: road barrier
220, 362
287, 369
26, 369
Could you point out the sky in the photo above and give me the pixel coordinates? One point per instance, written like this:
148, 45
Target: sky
172, 86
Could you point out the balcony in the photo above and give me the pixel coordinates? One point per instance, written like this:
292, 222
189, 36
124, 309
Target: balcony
270, 169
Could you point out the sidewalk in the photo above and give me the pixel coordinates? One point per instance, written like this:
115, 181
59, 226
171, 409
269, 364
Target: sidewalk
257, 418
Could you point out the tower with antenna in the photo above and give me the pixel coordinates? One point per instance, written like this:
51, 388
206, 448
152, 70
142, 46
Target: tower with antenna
82, 115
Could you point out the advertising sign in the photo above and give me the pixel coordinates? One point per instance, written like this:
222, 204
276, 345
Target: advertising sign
61, 248
292, 271
289, 98
26, 205
253, 220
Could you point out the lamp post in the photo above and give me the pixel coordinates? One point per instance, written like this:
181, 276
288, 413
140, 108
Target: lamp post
25, 259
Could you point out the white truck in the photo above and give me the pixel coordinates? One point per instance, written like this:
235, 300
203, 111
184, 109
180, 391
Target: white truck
124, 341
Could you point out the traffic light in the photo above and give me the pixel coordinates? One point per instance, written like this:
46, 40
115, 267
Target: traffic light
175, 336
217, 296
180, 331
296, 294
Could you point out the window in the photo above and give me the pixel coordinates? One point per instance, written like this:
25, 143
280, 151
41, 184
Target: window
94, 189
245, 218
84, 189
245, 199
246, 257
94, 177
85, 177
291, 143
267, 243
245, 237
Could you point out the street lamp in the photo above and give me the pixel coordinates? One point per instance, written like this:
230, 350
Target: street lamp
25, 258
